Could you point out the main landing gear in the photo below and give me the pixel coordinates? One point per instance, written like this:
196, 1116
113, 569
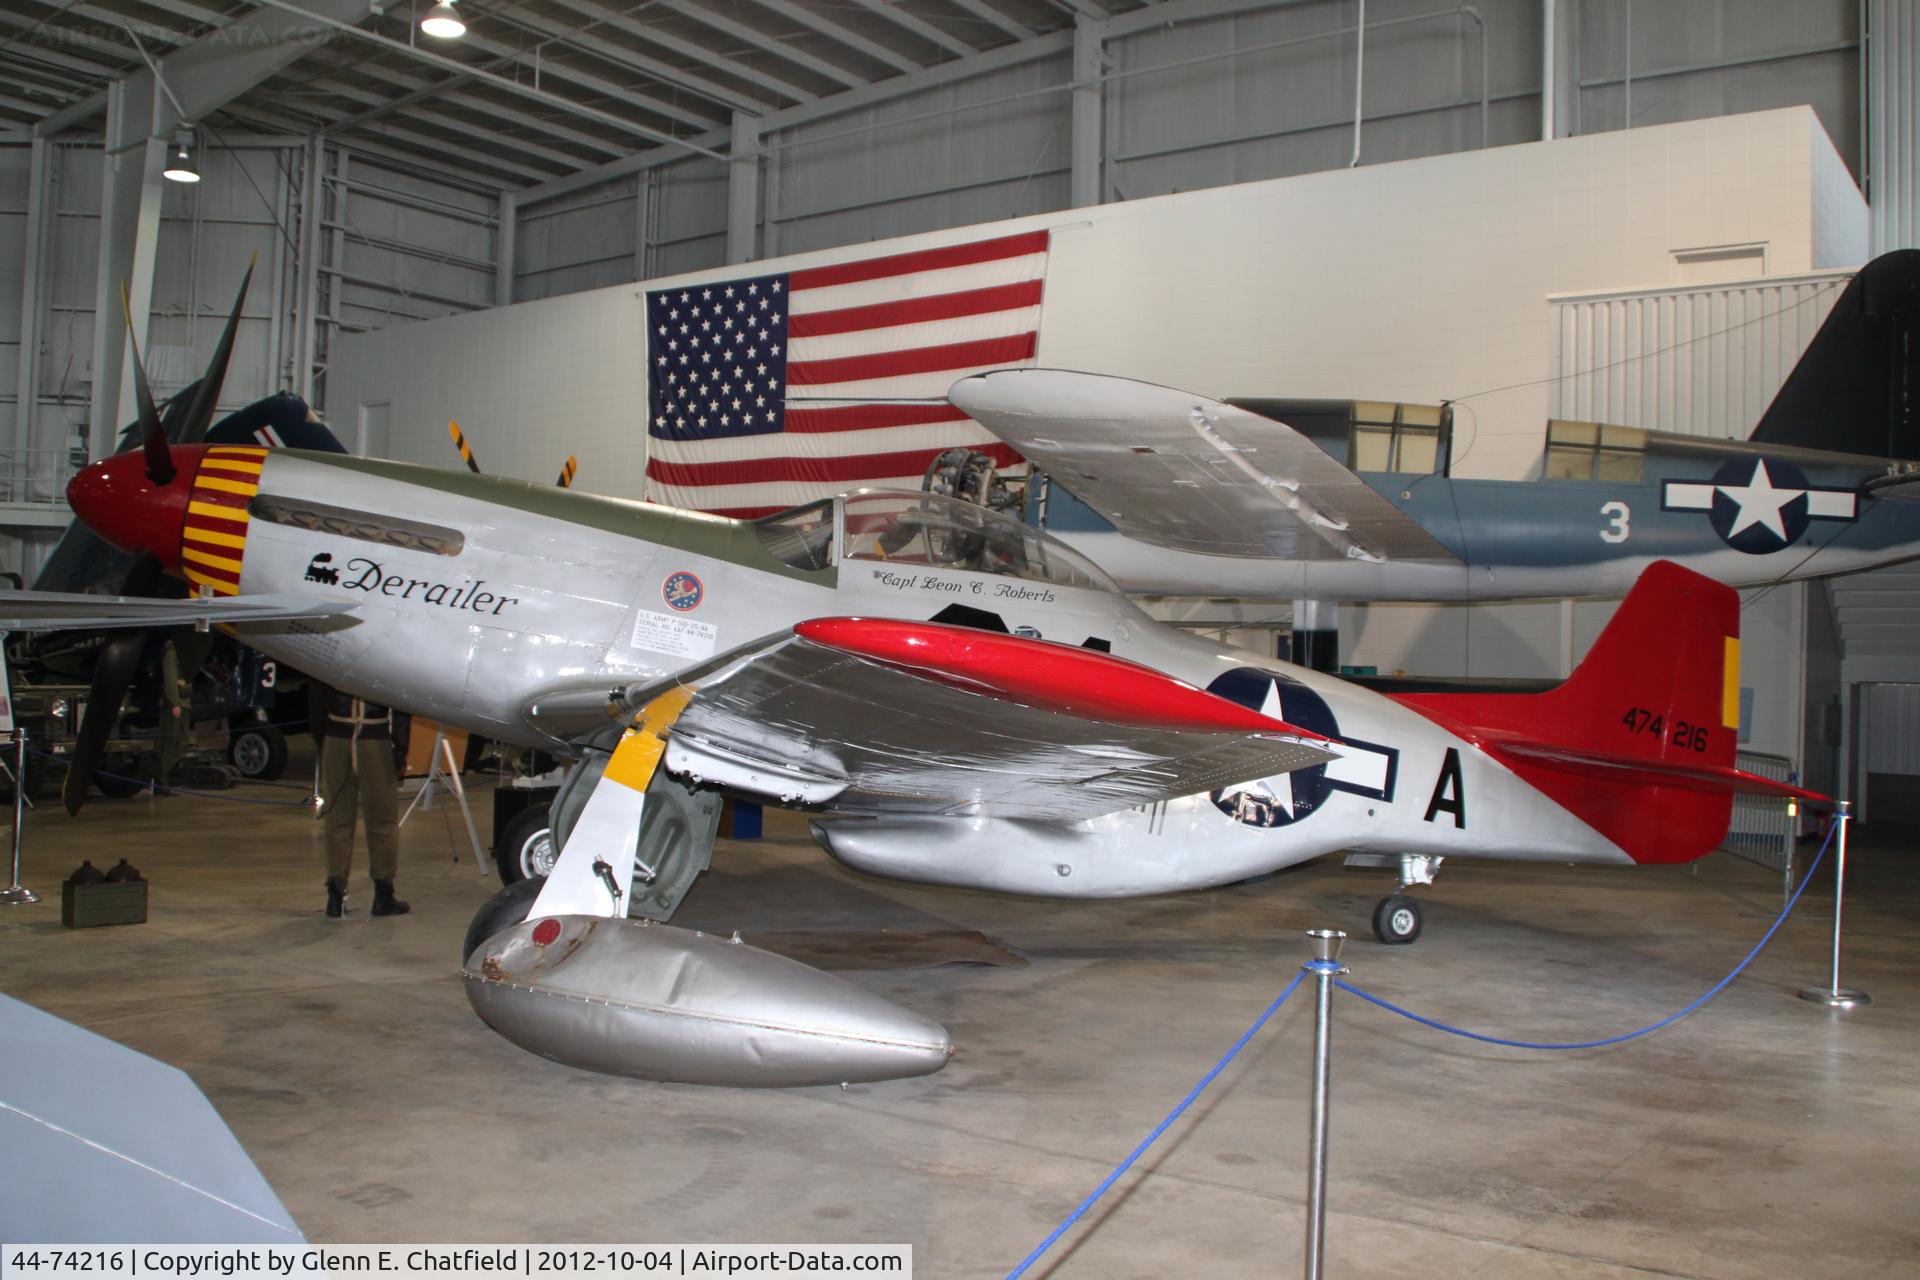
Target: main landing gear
1396, 920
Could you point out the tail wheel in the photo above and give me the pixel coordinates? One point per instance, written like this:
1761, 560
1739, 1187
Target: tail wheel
259, 752
1396, 921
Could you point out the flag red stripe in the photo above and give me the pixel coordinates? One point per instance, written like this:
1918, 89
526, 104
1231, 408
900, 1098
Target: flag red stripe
866, 466
742, 513
864, 417
940, 306
899, 264
893, 364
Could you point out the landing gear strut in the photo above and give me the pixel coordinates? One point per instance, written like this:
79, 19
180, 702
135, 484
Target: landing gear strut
1396, 920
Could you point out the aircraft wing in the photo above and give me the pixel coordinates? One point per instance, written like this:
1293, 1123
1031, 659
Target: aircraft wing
912, 716
1182, 471
63, 610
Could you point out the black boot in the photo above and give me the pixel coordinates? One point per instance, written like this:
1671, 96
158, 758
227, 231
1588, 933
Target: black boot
336, 897
384, 903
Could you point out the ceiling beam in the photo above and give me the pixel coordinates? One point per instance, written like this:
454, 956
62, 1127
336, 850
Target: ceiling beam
986, 12
761, 40
501, 82
842, 35
466, 102
352, 81
919, 26
588, 80
1053, 44
718, 61
380, 153
732, 99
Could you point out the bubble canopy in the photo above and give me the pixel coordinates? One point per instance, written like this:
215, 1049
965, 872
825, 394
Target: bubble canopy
904, 527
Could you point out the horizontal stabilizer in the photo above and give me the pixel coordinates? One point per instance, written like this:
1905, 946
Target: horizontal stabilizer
64, 611
1719, 779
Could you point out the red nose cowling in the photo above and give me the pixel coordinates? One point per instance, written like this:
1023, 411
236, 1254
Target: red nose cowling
117, 501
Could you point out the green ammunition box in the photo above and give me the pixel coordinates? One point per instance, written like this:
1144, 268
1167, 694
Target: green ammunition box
84, 906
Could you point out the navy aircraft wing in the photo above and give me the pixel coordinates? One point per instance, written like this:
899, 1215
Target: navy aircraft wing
915, 716
64, 610
1189, 473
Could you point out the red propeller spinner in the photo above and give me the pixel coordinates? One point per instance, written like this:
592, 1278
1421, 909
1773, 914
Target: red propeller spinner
119, 500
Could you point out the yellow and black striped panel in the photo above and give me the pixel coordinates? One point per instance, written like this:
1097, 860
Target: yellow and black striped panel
466, 450
214, 542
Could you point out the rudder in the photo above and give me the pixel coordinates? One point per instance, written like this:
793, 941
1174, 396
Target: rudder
1856, 388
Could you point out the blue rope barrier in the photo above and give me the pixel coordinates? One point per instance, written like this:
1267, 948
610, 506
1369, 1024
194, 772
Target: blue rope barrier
1158, 1129
1667, 1021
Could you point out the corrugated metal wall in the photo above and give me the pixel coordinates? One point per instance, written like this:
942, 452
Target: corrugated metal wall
1269, 93
1705, 361
1891, 737
391, 247
1207, 100
1642, 62
665, 220
1893, 122
992, 147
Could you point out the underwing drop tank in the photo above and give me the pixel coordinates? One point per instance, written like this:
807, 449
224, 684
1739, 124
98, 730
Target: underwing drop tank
633, 998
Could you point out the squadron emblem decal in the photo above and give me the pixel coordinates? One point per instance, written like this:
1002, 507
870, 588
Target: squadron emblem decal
1761, 506
682, 592
1365, 768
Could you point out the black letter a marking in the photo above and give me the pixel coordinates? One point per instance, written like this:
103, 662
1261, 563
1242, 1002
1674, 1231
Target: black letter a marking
1449, 792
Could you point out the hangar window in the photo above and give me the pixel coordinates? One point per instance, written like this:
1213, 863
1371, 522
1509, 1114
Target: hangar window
1396, 437
1595, 451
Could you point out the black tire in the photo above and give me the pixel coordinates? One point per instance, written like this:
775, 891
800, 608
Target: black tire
502, 911
119, 787
259, 752
1396, 921
525, 847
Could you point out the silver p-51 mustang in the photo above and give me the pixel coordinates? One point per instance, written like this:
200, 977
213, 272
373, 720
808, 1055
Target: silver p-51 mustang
958, 698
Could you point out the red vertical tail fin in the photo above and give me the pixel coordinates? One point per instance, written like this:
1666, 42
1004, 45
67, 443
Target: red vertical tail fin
1639, 742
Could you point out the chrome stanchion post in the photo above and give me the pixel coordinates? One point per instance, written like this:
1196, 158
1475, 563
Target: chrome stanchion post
1325, 967
17, 894
1833, 993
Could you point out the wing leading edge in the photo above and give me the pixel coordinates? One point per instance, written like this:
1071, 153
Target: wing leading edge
920, 717
62, 610
1182, 471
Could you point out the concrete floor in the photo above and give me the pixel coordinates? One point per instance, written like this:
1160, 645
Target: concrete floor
1763, 1136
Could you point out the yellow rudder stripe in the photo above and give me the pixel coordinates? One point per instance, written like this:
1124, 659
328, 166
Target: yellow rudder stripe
1730, 685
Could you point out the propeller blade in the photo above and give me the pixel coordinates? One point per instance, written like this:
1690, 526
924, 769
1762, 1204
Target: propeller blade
566, 473
114, 667
200, 415
192, 647
153, 436
466, 450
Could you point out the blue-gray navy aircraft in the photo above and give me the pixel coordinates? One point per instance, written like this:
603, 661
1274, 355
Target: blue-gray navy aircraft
1173, 493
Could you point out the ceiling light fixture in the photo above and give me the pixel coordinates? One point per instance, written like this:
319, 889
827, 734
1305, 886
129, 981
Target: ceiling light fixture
180, 163
443, 23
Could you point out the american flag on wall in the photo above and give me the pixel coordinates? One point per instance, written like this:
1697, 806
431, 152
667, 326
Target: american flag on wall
769, 391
